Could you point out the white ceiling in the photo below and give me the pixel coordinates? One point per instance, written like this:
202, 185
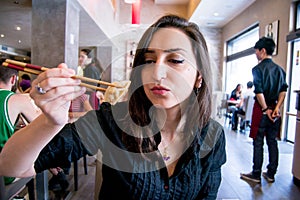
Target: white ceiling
226, 9
18, 13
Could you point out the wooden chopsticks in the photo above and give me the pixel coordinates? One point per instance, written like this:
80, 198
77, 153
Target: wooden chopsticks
35, 69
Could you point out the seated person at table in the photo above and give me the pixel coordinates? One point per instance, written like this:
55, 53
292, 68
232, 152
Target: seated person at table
159, 144
79, 107
12, 104
25, 83
236, 95
241, 110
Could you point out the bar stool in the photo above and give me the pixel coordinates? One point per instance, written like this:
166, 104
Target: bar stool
13, 189
75, 167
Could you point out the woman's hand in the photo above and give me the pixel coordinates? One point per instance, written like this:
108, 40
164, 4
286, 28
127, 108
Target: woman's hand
53, 91
100, 96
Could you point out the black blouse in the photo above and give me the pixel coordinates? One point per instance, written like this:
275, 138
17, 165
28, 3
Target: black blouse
130, 175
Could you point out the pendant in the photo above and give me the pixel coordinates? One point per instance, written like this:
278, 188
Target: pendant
165, 155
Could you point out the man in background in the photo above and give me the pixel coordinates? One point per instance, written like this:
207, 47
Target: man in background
11, 106
270, 90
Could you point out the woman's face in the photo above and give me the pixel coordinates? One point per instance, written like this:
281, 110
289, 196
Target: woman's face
83, 59
170, 72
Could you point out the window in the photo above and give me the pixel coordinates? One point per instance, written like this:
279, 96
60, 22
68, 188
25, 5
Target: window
241, 59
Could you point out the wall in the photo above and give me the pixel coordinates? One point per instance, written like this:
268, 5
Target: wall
263, 12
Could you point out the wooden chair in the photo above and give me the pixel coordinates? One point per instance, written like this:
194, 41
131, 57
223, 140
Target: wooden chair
7, 192
248, 105
224, 111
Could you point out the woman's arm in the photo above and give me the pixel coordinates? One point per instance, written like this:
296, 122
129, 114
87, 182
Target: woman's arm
21, 150
24, 104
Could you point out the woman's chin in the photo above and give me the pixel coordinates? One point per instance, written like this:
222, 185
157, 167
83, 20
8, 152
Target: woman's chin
166, 105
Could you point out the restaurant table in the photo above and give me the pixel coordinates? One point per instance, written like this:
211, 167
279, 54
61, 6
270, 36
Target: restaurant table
233, 101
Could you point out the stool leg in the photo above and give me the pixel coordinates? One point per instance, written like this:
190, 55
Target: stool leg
85, 165
75, 175
30, 187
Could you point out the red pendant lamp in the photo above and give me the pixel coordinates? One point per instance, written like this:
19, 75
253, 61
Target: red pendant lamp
135, 12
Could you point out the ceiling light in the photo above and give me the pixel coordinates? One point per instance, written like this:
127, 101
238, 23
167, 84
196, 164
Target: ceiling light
2, 35
19, 41
18, 28
216, 14
210, 23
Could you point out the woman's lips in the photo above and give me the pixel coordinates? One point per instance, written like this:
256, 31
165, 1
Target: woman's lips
158, 90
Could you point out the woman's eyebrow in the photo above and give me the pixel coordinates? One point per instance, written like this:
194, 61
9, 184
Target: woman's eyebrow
167, 50
174, 50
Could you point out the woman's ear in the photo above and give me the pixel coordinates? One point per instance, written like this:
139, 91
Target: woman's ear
198, 82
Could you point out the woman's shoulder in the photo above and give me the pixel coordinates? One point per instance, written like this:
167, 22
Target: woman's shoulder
215, 126
117, 111
212, 130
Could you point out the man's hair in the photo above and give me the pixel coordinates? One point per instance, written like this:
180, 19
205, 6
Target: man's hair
249, 84
267, 43
6, 73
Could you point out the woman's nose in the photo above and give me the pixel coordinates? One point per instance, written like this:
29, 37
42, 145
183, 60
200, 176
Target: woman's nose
159, 71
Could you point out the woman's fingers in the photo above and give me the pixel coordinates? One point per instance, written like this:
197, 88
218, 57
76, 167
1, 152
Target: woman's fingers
57, 108
53, 78
53, 91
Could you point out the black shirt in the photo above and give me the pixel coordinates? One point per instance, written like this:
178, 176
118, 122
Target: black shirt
269, 79
129, 175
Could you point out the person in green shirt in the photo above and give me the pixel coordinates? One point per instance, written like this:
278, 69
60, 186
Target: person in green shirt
11, 105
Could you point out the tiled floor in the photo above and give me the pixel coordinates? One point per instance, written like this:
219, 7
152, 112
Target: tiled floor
239, 159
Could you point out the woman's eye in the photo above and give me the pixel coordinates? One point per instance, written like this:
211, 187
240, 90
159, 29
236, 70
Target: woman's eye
176, 61
149, 61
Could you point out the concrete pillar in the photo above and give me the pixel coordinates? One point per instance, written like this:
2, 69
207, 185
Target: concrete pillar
55, 32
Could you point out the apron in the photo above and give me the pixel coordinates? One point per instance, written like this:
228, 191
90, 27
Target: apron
256, 119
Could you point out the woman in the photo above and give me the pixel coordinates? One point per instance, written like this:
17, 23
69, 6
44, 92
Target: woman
92, 69
161, 144
236, 95
79, 107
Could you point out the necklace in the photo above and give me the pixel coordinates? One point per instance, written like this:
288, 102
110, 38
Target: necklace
165, 155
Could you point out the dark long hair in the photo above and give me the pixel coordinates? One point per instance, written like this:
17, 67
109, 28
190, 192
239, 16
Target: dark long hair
139, 104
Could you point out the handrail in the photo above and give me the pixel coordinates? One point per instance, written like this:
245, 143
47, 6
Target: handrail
291, 114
